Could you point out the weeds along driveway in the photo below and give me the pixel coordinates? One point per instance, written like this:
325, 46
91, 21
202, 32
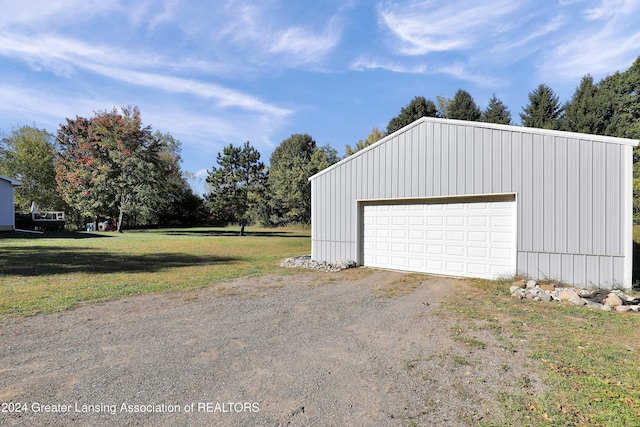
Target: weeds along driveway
360, 347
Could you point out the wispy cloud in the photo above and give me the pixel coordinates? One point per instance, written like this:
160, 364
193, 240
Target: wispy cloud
306, 46
432, 26
64, 56
605, 40
365, 63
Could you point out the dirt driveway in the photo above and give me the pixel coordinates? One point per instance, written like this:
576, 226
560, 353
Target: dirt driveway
313, 348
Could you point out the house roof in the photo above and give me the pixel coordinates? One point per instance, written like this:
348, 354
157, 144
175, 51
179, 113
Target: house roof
13, 182
510, 128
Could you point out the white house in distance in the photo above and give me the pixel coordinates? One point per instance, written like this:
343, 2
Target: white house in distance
475, 199
7, 210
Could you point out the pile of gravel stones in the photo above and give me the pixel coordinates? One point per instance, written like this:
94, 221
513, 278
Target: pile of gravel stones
305, 261
603, 299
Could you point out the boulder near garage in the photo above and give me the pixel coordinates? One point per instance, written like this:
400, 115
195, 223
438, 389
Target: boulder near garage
481, 200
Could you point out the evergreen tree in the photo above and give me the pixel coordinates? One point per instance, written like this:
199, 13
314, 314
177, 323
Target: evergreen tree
235, 184
417, 108
496, 112
543, 110
463, 107
590, 110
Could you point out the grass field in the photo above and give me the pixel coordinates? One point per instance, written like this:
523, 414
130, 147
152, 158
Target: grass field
57, 271
589, 357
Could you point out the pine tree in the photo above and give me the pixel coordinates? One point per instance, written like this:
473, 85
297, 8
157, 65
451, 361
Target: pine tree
463, 107
496, 112
543, 110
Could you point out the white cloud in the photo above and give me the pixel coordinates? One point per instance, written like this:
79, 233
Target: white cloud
608, 39
63, 56
431, 26
363, 63
306, 46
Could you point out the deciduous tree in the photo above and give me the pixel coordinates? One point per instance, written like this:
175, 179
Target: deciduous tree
110, 165
28, 154
373, 137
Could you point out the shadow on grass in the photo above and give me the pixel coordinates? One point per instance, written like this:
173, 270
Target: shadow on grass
221, 232
38, 260
53, 235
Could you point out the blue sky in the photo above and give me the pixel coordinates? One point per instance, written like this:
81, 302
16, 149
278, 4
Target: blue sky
218, 72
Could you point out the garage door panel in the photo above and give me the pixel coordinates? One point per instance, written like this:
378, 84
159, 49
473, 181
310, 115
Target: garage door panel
435, 235
455, 236
477, 236
477, 269
416, 220
453, 250
476, 252
471, 239
416, 234
455, 221
398, 233
435, 221
477, 221
500, 237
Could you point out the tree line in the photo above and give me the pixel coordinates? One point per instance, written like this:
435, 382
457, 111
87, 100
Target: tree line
107, 167
110, 166
609, 107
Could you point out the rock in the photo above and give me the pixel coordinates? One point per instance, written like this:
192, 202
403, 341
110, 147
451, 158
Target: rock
545, 297
576, 300
548, 288
305, 261
623, 308
606, 308
635, 307
515, 288
518, 283
613, 300
517, 294
592, 303
566, 294
531, 284
598, 296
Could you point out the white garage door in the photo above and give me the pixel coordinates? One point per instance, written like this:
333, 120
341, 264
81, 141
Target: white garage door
471, 239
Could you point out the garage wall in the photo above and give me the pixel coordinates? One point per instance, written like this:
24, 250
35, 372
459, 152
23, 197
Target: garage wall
7, 215
573, 222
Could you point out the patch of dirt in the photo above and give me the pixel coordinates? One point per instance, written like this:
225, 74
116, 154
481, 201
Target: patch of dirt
360, 347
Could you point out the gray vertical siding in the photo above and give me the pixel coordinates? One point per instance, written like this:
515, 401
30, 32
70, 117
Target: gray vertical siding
570, 188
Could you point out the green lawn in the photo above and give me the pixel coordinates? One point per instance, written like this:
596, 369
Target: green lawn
589, 358
55, 271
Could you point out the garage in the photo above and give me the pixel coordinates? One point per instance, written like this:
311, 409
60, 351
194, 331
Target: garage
476, 199
470, 238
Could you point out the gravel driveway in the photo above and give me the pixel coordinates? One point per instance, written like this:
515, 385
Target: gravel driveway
312, 348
